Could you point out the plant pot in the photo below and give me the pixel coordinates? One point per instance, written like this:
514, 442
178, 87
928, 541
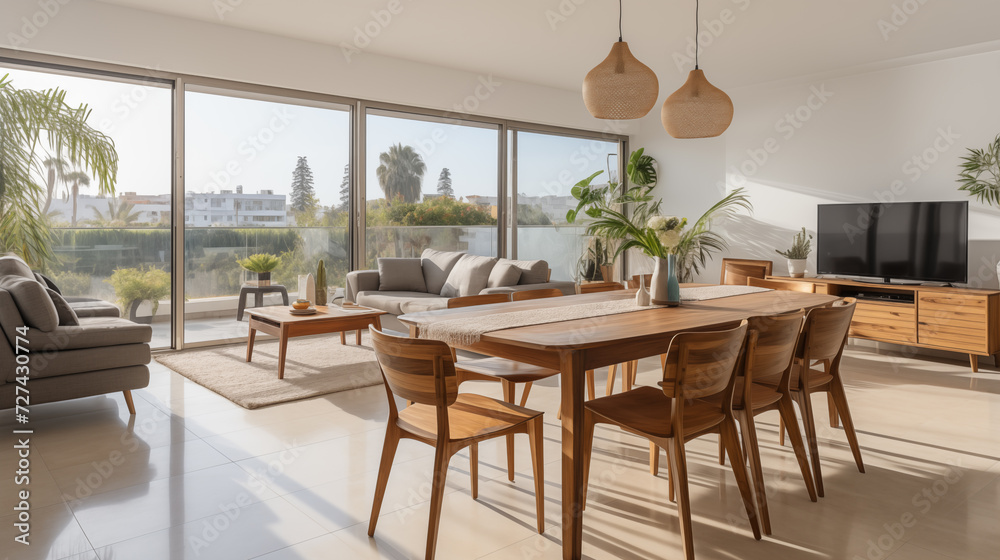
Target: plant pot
664, 287
797, 268
608, 272
263, 278
133, 309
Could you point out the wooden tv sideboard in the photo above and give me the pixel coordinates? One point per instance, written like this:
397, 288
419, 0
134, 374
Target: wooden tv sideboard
961, 320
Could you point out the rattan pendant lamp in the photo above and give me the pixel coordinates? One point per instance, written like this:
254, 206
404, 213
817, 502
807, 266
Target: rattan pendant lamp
620, 87
698, 109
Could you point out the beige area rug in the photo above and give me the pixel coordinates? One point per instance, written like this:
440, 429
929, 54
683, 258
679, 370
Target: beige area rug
313, 366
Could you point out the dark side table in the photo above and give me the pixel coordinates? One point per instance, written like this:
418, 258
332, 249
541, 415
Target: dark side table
258, 296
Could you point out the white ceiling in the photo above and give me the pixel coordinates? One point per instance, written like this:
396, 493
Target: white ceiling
555, 42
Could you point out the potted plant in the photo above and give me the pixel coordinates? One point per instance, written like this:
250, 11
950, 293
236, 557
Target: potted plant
597, 262
262, 264
136, 285
797, 255
980, 175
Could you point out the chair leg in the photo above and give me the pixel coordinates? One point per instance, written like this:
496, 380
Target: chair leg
732, 441
508, 395
839, 398
588, 448
633, 372
654, 459
524, 394
787, 411
781, 430
591, 391
612, 373
805, 404
474, 469
441, 458
834, 417
679, 482
131, 405
388, 453
722, 451
536, 440
749, 432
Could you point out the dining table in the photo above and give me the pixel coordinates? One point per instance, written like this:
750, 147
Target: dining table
576, 346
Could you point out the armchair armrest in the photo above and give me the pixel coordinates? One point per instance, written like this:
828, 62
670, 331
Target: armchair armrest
360, 281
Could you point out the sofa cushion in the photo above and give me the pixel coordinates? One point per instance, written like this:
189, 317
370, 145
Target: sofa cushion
469, 276
67, 317
32, 301
532, 272
391, 302
437, 266
11, 265
503, 274
92, 332
423, 304
400, 275
69, 362
88, 307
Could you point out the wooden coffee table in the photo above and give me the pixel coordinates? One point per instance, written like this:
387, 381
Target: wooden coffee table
278, 321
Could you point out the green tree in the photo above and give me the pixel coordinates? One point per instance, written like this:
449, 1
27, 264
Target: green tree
444, 184
76, 179
119, 214
400, 173
532, 215
303, 194
345, 189
29, 119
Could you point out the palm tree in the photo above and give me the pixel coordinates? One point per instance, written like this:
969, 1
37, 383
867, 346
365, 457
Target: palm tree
401, 173
120, 214
55, 173
27, 119
76, 178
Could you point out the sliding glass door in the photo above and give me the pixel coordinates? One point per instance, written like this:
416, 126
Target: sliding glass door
264, 175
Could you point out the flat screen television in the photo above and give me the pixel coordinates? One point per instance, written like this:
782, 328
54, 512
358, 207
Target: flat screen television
922, 241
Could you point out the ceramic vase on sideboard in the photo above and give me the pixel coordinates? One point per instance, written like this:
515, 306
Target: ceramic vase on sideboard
797, 268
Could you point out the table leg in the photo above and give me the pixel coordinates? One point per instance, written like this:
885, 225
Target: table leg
282, 347
241, 307
250, 339
573, 381
343, 338
358, 336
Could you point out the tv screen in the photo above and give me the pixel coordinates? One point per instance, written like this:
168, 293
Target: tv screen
905, 240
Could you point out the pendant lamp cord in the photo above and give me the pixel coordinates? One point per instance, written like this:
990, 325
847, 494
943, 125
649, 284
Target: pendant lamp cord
619, 21
697, 30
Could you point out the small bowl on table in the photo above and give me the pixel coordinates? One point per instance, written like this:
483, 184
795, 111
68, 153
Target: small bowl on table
301, 304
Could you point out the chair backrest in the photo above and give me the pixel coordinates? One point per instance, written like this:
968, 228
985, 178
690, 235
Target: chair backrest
536, 294
786, 285
701, 364
418, 370
481, 299
736, 271
771, 343
594, 287
825, 330
633, 283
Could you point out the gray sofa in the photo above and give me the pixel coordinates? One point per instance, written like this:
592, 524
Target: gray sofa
77, 349
404, 285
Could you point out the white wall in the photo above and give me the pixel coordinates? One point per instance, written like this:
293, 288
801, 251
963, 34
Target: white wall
109, 33
857, 142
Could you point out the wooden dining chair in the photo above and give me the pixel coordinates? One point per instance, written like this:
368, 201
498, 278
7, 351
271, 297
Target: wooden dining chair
507, 372
698, 365
786, 285
536, 294
423, 371
769, 353
595, 287
736, 271
822, 344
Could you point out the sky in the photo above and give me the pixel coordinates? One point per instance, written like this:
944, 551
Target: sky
234, 141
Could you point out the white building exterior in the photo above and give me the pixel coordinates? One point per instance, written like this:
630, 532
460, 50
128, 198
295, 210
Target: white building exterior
235, 209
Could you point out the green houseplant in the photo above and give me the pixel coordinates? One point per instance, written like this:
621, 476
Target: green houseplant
980, 175
798, 253
136, 285
262, 264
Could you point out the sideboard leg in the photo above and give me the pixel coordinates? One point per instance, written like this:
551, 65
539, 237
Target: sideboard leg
996, 360
974, 362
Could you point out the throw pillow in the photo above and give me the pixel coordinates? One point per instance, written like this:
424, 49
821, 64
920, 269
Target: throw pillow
67, 317
400, 275
32, 301
437, 266
14, 266
532, 272
469, 276
503, 274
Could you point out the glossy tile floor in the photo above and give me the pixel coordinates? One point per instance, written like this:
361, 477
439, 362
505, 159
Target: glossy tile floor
194, 476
